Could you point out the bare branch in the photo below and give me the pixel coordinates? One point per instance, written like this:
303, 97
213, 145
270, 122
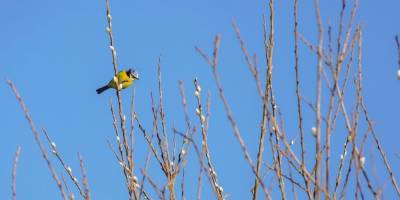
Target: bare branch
37, 139
14, 174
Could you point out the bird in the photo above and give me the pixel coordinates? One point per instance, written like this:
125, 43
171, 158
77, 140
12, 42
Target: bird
121, 81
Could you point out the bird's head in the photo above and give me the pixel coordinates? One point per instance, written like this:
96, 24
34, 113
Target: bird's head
133, 74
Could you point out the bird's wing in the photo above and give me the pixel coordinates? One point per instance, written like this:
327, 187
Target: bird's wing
122, 76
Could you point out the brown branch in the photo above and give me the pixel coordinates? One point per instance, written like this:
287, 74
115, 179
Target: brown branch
343, 51
185, 146
132, 194
341, 23
84, 177
118, 138
213, 65
199, 154
156, 188
37, 139
318, 96
162, 114
132, 133
328, 123
205, 150
62, 162
168, 164
14, 173
146, 164
263, 128
269, 49
148, 140
251, 66
380, 149
398, 49
298, 95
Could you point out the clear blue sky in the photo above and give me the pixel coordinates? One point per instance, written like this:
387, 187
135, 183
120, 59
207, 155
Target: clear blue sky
57, 54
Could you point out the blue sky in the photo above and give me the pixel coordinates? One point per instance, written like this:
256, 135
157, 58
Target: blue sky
56, 52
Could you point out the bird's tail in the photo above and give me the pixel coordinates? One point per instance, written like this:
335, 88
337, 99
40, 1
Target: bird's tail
102, 89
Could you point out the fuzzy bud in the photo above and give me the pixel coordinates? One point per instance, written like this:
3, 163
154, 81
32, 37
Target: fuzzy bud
314, 131
202, 118
53, 145
398, 74
198, 88
362, 161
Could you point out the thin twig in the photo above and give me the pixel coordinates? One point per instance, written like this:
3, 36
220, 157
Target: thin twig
146, 164
299, 109
84, 177
201, 162
263, 128
398, 49
213, 65
118, 138
252, 66
380, 149
205, 150
14, 173
153, 184
132, 194
269, 95
318, 97
37, 139
62, 162
199, 185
